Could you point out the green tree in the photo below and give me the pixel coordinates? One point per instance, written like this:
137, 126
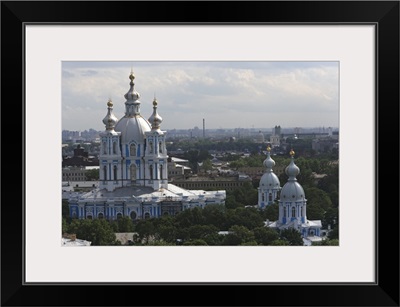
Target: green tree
92, 174
315, 212
247, 217
279, 242
265, 236
271, 212
195, 242
65, 226
318, 197
242, 233
201, 231
214, 215
98, 231
146, 230
65, 209
125, 224
292, 236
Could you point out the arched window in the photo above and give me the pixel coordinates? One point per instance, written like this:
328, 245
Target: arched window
147, 215
74, 215
115, 172
165, 213
100, 215
105, 172
160, 147
132, 150
293, 212
114, 147
133, 215
270, 196
151, 172
89, 217
133, 172
104, 147
119, 215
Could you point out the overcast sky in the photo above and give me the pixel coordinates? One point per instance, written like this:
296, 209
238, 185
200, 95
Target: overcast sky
226, 94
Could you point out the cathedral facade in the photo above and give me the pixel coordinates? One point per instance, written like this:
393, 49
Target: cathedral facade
134, 170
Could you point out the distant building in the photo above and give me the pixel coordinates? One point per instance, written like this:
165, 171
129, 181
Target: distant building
71, 240
260, 137
269, 187
80, 158
133, 165
292, 202
275, 138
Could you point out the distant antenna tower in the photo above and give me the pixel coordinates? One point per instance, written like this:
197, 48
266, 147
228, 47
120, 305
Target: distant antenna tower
204, 128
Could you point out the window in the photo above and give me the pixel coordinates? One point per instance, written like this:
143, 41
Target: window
284, 211
270, 196
151, 172
100, 215
104, 147
262, 197
161, 172
147, 215
119, 215
133, 172
132, 150
89, 217
151, 147
293, 212
114, 147
105, 172
160, 147
133, 215
115, 172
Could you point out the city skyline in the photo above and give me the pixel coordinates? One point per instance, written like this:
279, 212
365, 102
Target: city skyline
226, 95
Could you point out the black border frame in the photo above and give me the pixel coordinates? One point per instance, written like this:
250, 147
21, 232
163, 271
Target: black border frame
15, 14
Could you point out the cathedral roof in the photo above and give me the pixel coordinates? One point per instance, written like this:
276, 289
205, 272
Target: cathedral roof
292, 190
269, 180
133, 125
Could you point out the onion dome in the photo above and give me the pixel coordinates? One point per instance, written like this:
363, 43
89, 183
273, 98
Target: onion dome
269, 179
292, 170
292, 190
132, 95
110, 120
132, 126
155, 119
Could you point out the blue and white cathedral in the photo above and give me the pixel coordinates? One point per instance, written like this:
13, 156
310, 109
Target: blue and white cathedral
134, 170
291, 198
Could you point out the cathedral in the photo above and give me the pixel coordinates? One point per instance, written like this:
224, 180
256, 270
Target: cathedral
133, 170
291, 198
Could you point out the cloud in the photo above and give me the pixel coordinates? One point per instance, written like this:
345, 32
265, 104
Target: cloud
227, 93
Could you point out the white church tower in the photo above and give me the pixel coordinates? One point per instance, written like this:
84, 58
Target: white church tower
269, 187
156, 158
132, 127
293, 207
110, 153
292, 203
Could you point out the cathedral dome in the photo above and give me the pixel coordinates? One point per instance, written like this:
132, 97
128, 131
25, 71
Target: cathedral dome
132, 126
110, 120
269, 181
132, 129
292, 190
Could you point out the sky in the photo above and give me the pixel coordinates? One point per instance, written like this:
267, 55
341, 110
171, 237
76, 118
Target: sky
226, 94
